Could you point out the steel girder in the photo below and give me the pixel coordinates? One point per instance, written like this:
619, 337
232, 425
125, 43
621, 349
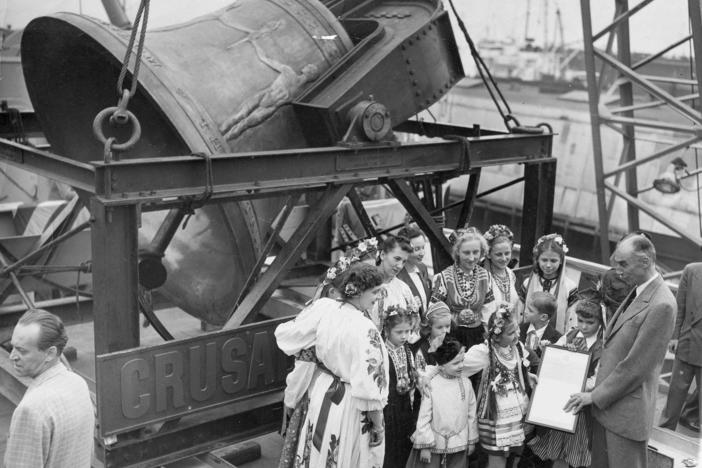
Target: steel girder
623, 117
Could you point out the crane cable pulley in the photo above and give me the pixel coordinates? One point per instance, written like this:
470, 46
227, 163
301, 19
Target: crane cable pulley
120, 115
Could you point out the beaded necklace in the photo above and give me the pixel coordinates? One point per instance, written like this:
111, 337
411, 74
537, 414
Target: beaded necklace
403, 367
466, 286
503, 284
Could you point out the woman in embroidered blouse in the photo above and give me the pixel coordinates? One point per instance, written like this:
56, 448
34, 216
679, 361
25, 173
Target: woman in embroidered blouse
463, 285
501, 280
344, 421
296, 398
393, 256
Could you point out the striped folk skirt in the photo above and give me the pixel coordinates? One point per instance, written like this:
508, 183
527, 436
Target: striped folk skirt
507, 432
558, 445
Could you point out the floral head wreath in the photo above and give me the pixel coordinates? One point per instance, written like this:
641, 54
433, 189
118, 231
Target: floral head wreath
365, 247
498, 230
340, 266
455, 235
503, 317
556, 238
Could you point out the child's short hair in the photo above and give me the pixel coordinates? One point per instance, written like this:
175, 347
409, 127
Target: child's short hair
544, 303
448, 351
436, 310
588, 310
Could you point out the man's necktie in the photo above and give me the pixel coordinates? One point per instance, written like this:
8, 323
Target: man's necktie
629, 300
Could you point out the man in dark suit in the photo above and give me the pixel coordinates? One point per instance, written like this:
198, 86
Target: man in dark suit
415, 273
624, 398
686, 344
537, 327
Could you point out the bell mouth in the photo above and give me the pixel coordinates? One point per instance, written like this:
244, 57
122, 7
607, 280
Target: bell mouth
71, 69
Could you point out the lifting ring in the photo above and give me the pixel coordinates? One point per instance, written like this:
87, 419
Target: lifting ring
113, 111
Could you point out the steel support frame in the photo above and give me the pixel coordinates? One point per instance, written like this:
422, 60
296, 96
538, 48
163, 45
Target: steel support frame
115, 220
625, 121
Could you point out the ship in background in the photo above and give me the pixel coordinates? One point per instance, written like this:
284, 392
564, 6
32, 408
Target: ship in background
546, 82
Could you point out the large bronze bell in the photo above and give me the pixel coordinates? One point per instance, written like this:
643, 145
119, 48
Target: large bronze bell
218, 83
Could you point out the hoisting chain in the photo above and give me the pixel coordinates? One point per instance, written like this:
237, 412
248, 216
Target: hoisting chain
119, 115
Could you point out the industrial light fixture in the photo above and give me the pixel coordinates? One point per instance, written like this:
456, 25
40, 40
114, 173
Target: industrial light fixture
669, 181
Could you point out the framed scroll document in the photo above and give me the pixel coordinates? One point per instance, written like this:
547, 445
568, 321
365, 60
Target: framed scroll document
562, 372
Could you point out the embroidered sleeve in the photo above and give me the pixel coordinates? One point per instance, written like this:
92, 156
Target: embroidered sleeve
369, 372
423, 436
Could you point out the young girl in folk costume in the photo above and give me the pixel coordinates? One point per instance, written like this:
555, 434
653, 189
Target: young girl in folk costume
502, 284
399, 412
573, 449
393, 256
504, 388
462, 286
344, 421
446, 427
295, 398
433, 329
549, 276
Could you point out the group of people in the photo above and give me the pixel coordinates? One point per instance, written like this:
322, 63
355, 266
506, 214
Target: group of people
395, 369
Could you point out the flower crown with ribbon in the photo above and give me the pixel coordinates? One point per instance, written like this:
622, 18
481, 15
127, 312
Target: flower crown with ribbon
498, 230
503, 317
556, 238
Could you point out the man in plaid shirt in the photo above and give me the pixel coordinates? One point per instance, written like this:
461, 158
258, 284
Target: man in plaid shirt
52, 427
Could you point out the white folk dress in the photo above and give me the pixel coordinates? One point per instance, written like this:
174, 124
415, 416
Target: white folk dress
351, 379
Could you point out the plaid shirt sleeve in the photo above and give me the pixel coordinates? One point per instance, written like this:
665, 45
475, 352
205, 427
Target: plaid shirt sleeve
28, 433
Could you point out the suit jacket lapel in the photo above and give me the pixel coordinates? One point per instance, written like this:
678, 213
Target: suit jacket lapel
637, 305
